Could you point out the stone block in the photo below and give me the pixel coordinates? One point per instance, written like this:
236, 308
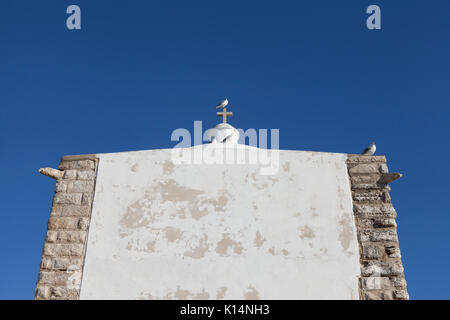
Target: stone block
377, 235
383, 210
80, 186
364, 179
83, 164
364, 224
86, 175
87, 199
74, 211
367, 195
67, 198
61, 250
401, 295
399, 282
63, 293
384, 223
61, 263
383, 168
42, 292
393, 251
77, 164
376, 283
61, 186
367, 168
68, 223
378, 295
386, 198
46, 263
51, 236
77, 236
70, 174
67, 264
377, 268
83, 224
356, 159
59, 278
56, 209
371, 252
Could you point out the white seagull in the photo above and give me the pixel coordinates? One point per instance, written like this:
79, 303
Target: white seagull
222, 104
370, 150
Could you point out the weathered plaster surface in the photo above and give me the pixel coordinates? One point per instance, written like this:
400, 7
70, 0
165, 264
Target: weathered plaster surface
166, 231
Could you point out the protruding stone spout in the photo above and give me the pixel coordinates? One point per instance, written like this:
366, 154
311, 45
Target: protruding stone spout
387, 178
52, 173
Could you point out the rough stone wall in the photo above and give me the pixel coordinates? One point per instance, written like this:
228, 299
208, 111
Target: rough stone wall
65, 243
381, 266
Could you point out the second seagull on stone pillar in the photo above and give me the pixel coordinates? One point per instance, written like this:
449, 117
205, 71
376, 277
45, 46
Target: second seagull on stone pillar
370, 150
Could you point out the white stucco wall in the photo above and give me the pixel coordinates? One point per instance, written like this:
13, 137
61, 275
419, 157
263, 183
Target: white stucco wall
166, 231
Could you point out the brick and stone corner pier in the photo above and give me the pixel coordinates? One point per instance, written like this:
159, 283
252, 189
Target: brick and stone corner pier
381, 266
65, 243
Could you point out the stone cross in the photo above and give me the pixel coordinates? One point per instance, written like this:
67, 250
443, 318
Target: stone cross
224, 114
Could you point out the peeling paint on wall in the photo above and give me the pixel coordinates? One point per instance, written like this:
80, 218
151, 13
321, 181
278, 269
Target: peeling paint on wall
259, 240
221, 293
306, 232
347, 232
251, 293
225, 243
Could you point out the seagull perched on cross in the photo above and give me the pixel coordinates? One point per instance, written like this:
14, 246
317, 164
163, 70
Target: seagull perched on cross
222, 104
370, 150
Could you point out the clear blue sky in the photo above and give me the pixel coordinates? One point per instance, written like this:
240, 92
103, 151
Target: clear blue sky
140, 69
